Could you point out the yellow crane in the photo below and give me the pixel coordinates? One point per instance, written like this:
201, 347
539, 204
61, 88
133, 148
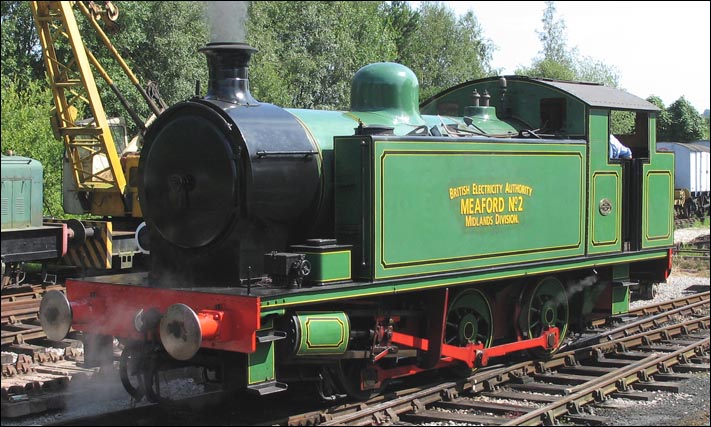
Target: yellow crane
99, 176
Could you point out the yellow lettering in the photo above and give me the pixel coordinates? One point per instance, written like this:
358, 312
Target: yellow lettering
489, 205
506, 219
518, 189
516, 204
478, 221
483, 211
460, 191
469, 221
466, 206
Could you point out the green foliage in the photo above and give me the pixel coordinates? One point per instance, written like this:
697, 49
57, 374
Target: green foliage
664, 121
589, 69
403, 21
27, 132
21, 60
556, 61
159, 42
444, 50
680, 122
702, 223
548, 69
687, 123
309, 51
553, 38
622, 122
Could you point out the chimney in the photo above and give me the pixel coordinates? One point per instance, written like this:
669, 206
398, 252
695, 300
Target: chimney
228, 65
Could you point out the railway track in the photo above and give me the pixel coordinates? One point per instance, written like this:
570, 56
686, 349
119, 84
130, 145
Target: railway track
695, 250
629, 362
20, 313
688, 222
39, 378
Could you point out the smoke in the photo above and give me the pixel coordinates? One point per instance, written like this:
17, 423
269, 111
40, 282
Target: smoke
579, 285
227, 21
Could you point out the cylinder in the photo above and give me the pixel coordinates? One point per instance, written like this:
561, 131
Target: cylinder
320, 333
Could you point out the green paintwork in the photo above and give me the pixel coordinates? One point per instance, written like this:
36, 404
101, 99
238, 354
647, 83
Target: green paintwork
658, 196
393, 202
485, 119
657, 226
389, 89
382, 94
470, 203
620, 299
322, 333
371, 289
521, 106
605, 187
21, 192
260, 364
327, 266
620, 272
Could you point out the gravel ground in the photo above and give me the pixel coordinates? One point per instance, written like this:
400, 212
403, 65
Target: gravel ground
690, 407
108, 395
685, 235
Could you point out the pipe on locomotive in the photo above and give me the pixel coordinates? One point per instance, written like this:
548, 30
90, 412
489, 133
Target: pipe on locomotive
228, 68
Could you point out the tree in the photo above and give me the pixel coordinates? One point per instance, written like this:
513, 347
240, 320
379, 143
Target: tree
663, 118
686, 123
444, 50
403, 22
589, 69
553, 38
21, 60
309, 51
680, 122
548, 69
557, 61
27, 133
159, 41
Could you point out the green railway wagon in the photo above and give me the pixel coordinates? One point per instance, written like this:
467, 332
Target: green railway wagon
25, 237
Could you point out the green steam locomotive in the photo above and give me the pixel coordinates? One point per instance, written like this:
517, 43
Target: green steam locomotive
351, 248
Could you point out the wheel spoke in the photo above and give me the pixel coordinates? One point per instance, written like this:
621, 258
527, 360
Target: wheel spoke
470, 310
546, 306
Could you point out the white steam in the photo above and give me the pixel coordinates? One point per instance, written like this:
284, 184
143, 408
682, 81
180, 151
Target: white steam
227, 21
580, 285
